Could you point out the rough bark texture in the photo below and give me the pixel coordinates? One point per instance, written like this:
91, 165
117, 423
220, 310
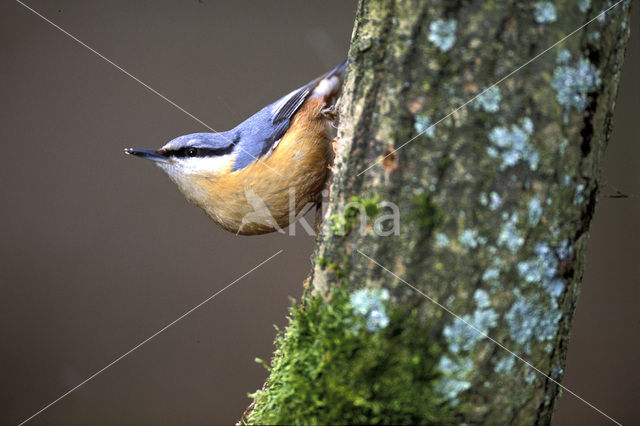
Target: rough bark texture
495, 203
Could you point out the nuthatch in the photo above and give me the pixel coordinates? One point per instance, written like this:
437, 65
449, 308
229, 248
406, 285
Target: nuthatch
256, 177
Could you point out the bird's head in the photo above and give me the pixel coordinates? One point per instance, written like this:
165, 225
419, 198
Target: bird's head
194, 155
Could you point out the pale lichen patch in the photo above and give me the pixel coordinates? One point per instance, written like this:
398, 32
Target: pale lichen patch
465, 332
510, 236
534, 208
512, 145
573, 82
456, 377
504, 365
423, 125
489, 100
443, 34
369, 304
530, 319
544, 12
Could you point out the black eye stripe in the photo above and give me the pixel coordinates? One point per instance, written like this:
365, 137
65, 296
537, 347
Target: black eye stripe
190, 151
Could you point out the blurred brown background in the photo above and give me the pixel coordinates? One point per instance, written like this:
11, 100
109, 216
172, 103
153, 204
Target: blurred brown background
99, 251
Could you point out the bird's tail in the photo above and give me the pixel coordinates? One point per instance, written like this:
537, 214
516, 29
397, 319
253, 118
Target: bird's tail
339, 70
329, 85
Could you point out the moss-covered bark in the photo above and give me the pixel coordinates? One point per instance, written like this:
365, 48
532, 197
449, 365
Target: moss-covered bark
495, 203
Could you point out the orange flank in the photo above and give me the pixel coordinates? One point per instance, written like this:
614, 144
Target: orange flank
254, 199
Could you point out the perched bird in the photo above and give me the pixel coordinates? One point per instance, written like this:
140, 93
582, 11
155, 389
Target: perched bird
256, 177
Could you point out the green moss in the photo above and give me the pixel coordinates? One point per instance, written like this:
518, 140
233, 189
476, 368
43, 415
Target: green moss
443, 59
328, 369
338, 270
342, 224
426, 213
370, 207
322, 262
337, 223
443, 165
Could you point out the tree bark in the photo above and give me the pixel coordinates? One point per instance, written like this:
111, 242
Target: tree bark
495, 202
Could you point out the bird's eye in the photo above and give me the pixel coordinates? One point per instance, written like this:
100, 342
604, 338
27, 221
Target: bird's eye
192, 152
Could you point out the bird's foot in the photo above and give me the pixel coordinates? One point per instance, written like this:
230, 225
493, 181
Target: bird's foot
330, 113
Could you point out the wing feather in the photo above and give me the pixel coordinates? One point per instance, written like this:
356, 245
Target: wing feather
288, 106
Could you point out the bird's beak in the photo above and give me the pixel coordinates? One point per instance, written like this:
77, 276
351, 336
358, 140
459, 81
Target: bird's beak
149, 154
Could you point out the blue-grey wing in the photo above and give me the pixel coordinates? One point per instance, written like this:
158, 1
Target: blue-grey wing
260, 133
285, 108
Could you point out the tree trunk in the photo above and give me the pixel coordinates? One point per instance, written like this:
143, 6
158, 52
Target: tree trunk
416, 318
